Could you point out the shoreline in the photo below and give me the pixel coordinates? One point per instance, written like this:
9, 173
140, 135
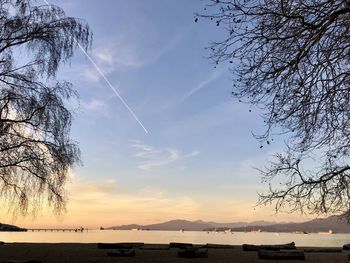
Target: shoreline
88, 252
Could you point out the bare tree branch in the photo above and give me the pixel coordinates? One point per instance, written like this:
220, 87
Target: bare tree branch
292, 59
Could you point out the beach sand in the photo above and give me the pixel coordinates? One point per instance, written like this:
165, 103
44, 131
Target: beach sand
88, 253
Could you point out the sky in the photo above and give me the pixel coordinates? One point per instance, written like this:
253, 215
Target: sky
197, 160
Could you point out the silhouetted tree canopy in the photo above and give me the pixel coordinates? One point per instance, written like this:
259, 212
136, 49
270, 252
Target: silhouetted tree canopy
36, 151
292, 59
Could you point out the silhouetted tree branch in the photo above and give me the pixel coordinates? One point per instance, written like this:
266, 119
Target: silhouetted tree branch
292, 59
36, 151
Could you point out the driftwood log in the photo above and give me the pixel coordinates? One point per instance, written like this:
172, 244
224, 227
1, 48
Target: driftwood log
249, 247
155, 247
122, 253
180, 245
218, 246
346, 247
281, 254
119, 245
192, 252
22, 261
323, 250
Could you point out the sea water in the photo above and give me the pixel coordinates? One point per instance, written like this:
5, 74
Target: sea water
163, 237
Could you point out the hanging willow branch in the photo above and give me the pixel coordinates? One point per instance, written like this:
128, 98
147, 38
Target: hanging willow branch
36, 151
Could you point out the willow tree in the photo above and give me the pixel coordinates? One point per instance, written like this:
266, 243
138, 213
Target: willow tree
292, 59
36, 151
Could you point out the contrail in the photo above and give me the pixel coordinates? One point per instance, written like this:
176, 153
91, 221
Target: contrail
111, 86
107, 81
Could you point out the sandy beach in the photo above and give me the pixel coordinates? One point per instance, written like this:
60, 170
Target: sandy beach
75, 252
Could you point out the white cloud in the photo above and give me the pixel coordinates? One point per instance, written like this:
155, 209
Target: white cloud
153, 157
120, 56
89, 73
124, 55
104, 55
93, 188
94, 104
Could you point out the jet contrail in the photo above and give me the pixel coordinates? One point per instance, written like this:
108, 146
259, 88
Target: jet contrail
111, 86
107, 81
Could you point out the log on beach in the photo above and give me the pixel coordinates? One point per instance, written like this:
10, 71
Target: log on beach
179, 245
22, 261
323, 250
122, 253
155, 247
219, 246
249, 247
281, 254
192, 252
119, 245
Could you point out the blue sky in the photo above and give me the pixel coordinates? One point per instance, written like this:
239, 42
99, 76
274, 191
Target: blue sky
197, 160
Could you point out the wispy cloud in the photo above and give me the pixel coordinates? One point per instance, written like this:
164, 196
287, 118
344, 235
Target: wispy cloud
124, 54
118, 57
213, 76
102, 202
152, 157
93, 187
94, 104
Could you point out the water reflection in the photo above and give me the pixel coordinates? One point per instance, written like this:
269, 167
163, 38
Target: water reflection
162, 237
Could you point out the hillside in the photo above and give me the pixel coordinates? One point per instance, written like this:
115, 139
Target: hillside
11, 228
334, 223
169, 225
179, 224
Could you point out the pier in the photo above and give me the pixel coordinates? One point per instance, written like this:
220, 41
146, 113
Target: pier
57, 229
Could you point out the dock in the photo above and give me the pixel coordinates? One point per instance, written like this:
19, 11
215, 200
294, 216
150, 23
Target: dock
57, 229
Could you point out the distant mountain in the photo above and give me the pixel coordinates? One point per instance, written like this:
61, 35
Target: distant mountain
178, 224
169, 225
11, 228
335, 223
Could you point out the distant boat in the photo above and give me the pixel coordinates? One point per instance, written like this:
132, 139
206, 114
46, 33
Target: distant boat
329, 232
301, 232
228, 231
256, 231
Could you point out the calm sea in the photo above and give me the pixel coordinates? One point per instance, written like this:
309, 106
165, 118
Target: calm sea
162, 237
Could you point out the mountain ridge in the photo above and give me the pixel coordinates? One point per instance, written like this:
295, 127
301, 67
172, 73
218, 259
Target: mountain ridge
179, 224
336, 224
